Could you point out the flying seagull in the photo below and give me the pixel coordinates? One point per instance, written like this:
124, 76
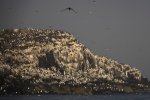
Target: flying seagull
69, 9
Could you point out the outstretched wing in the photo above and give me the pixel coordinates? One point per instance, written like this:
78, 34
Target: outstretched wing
73, 10
63, 10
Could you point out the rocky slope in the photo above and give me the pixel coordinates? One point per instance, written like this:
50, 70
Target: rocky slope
41, 61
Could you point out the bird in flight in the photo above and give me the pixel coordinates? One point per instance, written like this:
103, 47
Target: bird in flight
69, 9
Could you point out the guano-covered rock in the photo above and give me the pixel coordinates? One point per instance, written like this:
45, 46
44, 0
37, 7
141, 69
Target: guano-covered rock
47, 61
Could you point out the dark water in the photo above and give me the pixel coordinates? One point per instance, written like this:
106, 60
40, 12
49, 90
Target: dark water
76, 97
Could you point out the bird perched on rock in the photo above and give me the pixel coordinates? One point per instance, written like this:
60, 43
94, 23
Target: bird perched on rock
69, 9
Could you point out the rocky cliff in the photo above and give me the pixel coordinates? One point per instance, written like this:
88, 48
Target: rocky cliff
41, 61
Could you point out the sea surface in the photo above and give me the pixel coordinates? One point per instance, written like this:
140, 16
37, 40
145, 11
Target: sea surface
78, 97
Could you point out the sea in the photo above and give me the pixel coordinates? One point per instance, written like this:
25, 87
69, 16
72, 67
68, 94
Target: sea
79, 97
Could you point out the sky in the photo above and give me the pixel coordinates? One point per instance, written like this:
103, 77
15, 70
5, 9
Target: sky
118, 29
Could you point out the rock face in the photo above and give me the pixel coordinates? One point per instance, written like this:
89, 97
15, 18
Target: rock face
43, 61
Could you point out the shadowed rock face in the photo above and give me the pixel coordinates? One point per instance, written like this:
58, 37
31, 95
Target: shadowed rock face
40, 61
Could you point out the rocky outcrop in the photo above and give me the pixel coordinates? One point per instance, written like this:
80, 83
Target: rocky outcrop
40, 61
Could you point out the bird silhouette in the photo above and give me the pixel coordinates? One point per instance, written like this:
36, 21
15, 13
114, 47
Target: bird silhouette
69, 9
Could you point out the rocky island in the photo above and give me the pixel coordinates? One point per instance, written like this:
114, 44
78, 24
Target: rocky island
48, 61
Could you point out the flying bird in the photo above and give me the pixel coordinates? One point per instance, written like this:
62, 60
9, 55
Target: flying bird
69, 9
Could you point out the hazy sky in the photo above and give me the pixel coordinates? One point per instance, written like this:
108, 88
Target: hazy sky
119, 29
